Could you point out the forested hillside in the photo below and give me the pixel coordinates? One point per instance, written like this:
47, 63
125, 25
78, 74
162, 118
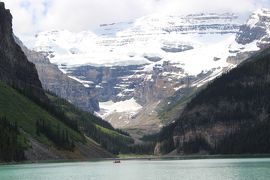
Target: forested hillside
229, 116
36, 125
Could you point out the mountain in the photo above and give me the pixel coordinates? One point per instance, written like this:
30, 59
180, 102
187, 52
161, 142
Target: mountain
56, 81
256, 29
15, 69
38, 142
229, 116
142, 63
38, 125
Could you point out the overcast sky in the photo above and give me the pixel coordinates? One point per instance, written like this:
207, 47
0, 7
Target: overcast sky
33, 16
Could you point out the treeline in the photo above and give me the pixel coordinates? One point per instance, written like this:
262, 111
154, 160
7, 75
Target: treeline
113, 140
108, 139
59, 135
245, 140
195, 145
60, 114
150, 137
165, 137
11, 145
238, 102
122, 132
143, 148
49, 106
80, 121
81, 116
255, 140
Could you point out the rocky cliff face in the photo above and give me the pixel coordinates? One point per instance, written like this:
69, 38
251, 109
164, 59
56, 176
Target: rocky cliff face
149, 60
256, 29
15, 69
255, 32
56, 81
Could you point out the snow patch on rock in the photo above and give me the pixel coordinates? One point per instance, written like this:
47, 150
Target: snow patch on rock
128, 106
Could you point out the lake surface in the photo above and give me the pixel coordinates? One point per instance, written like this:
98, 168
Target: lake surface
210, 169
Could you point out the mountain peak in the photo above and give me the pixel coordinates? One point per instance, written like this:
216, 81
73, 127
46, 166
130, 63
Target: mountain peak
5, 18
260, 15
15, 69
256, 29
262, 11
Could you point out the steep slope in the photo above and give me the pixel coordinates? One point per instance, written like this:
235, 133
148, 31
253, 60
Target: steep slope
16, 108
229, 116
15, 69
54, 80
36, 125
256, 29
140, 64
115, 141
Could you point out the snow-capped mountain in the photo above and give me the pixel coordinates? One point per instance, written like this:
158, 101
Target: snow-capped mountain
138, 64
151, 38
257, 29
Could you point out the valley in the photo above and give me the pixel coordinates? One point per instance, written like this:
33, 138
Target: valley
142, 63
161, 84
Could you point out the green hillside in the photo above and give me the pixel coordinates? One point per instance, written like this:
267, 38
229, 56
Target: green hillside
17, 108
36, 125
170, 108
29, 117
99, 130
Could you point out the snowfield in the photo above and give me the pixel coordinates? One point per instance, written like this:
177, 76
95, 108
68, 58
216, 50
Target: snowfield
171, 46
151, 37
127, 106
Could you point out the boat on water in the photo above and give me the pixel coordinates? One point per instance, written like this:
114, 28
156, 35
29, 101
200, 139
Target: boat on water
117, 161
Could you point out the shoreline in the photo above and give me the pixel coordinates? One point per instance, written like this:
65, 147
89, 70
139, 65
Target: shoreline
191, 157
146, 157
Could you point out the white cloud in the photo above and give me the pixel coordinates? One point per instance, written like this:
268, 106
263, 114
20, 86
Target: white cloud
32, 16
189, 6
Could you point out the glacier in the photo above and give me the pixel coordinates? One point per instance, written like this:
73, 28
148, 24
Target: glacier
139, 63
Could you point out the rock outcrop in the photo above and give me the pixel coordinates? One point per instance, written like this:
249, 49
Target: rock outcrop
256, 29
15, 69
56, 81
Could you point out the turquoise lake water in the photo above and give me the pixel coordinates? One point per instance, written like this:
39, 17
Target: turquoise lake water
208, 169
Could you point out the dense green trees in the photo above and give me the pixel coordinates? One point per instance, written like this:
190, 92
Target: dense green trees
255, 140
114, 140
230, 116
59, 136
143, 148
11, 145
108, 139
166, 138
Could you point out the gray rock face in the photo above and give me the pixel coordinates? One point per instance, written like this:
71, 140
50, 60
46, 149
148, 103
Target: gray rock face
54, 80
195, 23
153, 58
15, 69
119, 83
172, 48
240, 57
115, 83
256, 28
248, 34
161, 83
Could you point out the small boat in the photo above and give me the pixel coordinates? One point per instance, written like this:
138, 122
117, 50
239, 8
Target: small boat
117, 161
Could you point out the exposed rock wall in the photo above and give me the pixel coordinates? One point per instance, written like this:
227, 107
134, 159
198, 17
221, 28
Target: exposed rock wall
56, 81
15, 69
